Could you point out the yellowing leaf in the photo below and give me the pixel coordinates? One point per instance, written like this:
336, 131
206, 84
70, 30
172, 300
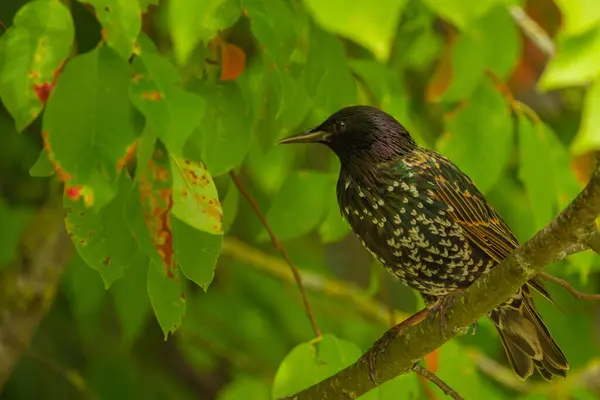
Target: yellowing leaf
588, 137
34, 48
576, 61
371, 24
195, 197
578, 15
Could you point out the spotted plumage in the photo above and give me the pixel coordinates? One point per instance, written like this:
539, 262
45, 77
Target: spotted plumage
421, 217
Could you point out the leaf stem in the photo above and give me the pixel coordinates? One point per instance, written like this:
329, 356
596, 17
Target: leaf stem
280, 248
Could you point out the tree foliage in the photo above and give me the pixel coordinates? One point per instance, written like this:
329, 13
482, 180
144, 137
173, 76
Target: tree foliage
140, 109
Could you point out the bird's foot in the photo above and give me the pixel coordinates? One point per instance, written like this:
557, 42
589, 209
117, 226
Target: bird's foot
440, 308
370, 357
380, 346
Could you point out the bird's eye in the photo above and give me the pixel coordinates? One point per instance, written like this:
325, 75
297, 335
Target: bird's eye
339, 127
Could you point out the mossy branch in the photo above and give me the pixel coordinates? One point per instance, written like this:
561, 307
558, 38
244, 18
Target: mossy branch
569, 229
29, 284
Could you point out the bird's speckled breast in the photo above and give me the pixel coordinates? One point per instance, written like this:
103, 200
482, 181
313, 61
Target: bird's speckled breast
402, 223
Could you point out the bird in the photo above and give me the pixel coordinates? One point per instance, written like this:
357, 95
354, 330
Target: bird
426, 222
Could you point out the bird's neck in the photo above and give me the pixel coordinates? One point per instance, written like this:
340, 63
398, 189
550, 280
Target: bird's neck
370, 170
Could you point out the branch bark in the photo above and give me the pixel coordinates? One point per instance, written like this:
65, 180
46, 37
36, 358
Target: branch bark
569, 228
30, 283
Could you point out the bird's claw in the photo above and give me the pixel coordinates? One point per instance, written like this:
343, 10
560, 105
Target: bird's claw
440, 308
370, 357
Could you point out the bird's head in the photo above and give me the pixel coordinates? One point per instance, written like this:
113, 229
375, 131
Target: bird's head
359, 134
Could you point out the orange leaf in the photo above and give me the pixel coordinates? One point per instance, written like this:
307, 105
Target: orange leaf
583, 166
233, 61
432, 361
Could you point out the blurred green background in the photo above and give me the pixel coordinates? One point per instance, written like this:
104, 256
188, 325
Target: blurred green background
508, 89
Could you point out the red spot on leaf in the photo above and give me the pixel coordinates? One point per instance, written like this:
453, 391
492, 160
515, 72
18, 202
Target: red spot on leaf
182, 295
42, 91
74, 192
244, 12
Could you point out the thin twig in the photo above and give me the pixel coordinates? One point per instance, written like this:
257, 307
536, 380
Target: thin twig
70, 375
280, 248
430, 376
533, 30
568, 286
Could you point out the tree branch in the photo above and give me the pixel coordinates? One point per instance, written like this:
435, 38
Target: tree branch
568, 286
30, 282
278, 246
569, 228
430, 376
532, 30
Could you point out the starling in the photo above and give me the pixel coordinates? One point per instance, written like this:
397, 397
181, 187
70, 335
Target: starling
425, 221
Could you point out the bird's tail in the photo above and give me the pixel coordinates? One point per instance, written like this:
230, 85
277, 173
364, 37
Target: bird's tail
526, 338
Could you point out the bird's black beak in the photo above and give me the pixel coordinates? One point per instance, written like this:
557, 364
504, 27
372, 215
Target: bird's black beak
310, 136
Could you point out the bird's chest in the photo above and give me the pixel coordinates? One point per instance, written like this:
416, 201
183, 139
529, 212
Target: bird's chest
404, 226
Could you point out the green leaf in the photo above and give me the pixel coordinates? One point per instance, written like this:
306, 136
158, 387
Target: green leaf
458, 370
43, 167
298, 207
578, 16
33, 48
90, 144
166, 297
588, 136
196, 252
191, 21
467, 66
479, 135
575, 63
405, 387
15, 220
536, 164
244, 388
195, 197
274, 24
501, 39
271, 168
121, 21
462, 13
225, 131
328, 77
173, 112
306, 365
101, 237
84, 289
388, 89
230, 206
145, 4
378, 21
334, 228
130, 296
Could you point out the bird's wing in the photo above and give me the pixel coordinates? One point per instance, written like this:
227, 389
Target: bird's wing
481, 223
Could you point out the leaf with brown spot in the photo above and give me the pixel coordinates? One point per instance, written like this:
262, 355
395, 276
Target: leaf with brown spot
34, 47
101, 237
195, 197
174, 113
88, 126
157, 203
